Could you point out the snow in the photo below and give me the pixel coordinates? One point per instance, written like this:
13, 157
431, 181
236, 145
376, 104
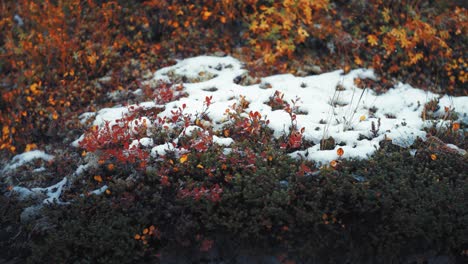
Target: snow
325, 112
26, 157
161, 150
100, 190
399, 109
53, 192
222, 141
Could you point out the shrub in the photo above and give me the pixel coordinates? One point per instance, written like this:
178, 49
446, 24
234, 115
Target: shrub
384, 210
90, 230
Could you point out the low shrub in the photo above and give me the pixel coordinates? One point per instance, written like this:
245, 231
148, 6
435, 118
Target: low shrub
383, 210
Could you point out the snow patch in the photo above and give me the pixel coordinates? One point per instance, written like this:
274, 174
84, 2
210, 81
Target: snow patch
26, 157
343, 114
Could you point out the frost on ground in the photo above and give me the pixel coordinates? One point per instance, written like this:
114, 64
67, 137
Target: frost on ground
329, 105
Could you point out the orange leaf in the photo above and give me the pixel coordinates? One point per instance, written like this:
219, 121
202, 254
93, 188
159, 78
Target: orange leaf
433, 156
206, 15
183, 158
340, 152
98, 178
30, 147
358, 60
92, 59
455, 126
333, 163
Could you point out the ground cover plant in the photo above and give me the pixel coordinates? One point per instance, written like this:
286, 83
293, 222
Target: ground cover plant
113, 151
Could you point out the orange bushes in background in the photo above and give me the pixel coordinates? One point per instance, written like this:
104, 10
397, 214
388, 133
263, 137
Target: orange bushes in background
50, 52
417, 42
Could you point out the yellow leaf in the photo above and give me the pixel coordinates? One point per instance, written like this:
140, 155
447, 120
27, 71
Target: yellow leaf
206, 15
362, 118
254, 26
372, 40
30, 147
386, 15
303, 34
405, 43
414, 58
200, 166
263, 25
358, 60
183, 158
34, 88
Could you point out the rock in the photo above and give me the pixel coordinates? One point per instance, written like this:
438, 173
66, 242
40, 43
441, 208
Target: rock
312, 69
301, 73
105, 79
30, 213
219, 54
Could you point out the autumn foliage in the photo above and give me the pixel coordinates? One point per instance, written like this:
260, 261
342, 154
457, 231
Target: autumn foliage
52, 52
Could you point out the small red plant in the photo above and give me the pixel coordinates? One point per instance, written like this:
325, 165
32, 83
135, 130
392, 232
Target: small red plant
212, 194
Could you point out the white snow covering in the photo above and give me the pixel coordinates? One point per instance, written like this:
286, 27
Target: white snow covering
53, 192
99, 191
26, 157
346, 115
324, 112
222, 141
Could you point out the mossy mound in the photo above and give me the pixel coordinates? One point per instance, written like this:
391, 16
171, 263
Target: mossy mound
388, 209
